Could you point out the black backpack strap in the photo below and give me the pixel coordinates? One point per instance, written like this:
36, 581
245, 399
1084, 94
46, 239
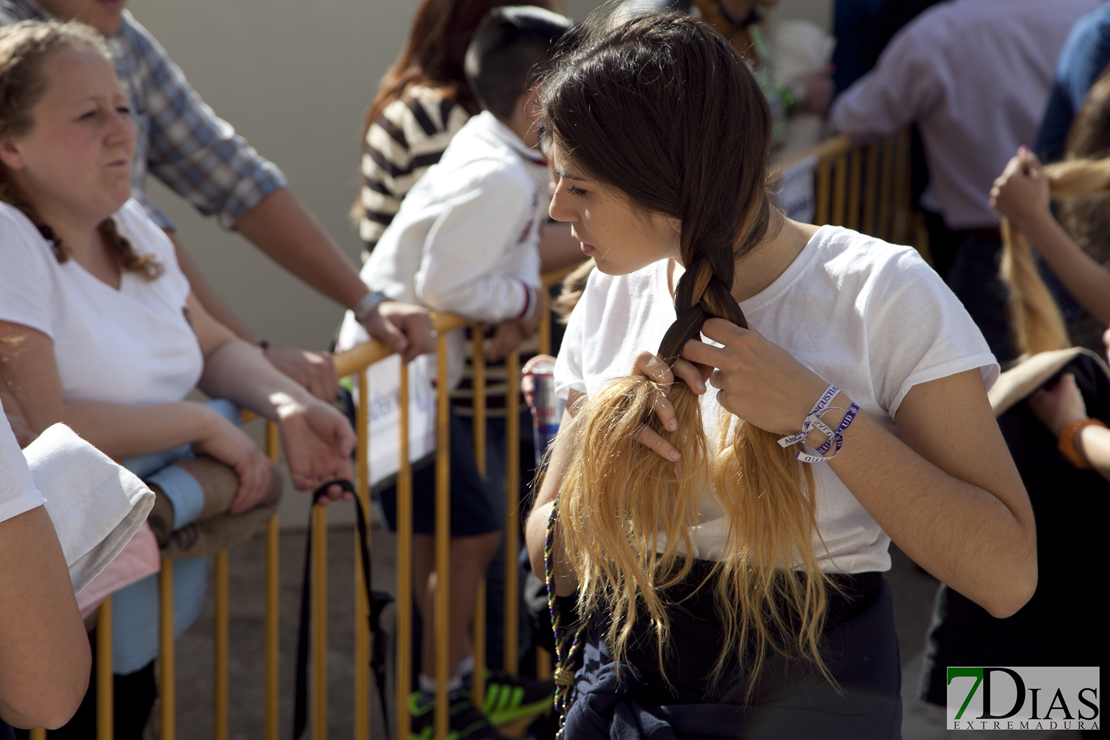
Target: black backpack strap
377, 600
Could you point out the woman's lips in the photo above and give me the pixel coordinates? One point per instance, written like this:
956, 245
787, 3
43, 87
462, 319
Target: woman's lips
587, 249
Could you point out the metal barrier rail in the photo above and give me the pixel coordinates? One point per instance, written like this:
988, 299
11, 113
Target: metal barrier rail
863, 187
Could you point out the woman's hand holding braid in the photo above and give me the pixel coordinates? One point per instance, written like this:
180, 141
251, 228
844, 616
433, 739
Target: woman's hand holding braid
755, 379
664, 376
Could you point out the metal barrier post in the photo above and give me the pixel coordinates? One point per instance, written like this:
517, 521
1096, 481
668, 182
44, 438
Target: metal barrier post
273, 590
512, 504
478, 400
886, 191
854, 167
824, 184
404, 565
221, 641
105, 726
165, 588
871, 193
442, 543
319, 623
840, 190
362, 607
899, 233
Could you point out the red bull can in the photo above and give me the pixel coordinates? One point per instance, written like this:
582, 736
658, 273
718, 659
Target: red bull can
547, 408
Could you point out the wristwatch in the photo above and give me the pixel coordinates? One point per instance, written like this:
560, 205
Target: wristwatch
368, 303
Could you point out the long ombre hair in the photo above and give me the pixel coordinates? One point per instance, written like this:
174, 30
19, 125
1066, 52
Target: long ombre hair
23, 48
662, 109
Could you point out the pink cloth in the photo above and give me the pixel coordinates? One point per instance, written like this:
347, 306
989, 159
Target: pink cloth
138, 559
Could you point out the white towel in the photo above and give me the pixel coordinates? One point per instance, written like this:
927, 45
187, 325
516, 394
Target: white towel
96, 505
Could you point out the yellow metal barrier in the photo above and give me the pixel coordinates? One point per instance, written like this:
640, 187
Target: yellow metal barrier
166, 689
104, 687
864, 187
273, 589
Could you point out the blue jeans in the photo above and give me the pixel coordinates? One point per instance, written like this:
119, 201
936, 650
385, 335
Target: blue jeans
135, 609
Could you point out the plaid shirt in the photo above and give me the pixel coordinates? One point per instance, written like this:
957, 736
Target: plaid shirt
179, 139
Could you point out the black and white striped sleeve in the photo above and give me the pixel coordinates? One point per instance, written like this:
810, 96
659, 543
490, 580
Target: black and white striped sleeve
409, 137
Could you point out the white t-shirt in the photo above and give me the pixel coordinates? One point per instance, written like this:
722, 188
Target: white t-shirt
18, 493
872, 318
133, 345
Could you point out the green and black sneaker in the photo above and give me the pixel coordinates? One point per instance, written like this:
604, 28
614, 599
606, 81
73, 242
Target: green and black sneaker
509, 698
464, 721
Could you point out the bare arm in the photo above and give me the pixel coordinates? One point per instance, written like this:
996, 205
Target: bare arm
44, 651
24, 435
948, 493
207, 297
1021, 194
318, 439
282, 228
313, 370
535, 529
1060, 405
28, 367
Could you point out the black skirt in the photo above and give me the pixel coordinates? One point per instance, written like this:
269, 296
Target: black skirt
789, 699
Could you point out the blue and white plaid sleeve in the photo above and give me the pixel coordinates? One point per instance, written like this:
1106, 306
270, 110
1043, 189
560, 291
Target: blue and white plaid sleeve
188, 147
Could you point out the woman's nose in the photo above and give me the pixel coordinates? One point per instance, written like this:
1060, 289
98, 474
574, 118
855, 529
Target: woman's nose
561, 208
121, 128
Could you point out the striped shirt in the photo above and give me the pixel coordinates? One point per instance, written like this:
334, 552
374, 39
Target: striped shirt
407, 138
178, 138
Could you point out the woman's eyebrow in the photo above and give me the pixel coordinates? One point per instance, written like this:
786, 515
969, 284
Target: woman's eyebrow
560, 173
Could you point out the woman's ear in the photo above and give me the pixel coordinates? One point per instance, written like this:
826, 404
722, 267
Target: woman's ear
10, 154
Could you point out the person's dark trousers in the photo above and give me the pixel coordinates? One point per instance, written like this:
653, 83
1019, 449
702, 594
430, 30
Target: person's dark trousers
974, 279
496, 465
132, 699
968, 261
943, 243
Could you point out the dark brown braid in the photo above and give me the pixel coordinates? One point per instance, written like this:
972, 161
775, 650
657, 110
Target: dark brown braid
23, 47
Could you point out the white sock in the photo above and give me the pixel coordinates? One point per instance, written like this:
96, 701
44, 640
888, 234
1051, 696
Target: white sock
428, 684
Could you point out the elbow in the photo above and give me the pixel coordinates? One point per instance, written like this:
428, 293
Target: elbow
50, 703
1014, 592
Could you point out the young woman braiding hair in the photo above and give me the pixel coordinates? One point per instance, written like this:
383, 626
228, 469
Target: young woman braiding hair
724, 209
716, 559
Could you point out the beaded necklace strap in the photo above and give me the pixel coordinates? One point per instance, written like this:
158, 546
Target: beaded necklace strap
568, 648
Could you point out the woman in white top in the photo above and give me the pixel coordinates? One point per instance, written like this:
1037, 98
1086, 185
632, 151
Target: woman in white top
98, 326
767, 600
